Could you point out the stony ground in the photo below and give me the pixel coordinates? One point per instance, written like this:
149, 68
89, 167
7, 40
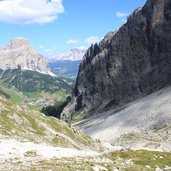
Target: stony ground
28, 156
142, 124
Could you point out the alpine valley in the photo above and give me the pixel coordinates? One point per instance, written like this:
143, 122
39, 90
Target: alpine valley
116, 115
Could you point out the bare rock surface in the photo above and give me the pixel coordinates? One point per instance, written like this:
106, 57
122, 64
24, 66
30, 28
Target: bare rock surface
142, 124
18, 52
127, 64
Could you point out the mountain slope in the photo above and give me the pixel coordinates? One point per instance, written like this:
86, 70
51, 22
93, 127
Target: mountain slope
127, 64
18, 52
145, 123
32, 89
30, 81
30, 138
31, 141
27, 125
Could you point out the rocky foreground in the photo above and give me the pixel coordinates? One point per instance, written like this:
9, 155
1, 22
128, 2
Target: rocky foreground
31, 141
16, 155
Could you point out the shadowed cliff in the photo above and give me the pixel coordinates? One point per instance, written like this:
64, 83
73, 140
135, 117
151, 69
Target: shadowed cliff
127, 64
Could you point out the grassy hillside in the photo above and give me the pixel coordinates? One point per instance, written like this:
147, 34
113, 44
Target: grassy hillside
32, 89
30, 81
27, 125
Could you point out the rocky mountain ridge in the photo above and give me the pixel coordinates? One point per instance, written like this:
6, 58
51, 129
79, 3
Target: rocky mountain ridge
18, 52
74, 55
128, 64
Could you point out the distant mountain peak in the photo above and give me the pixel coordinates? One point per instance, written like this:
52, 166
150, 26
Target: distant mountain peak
18, 52
74, 55
18, 42
78, 50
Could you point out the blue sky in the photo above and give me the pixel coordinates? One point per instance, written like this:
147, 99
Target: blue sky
58, 26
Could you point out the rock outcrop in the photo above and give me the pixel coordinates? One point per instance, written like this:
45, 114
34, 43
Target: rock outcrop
19, 53
128, 64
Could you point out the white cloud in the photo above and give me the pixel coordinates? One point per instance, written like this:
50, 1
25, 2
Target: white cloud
121, 14
30, 11
92, 40
72, 41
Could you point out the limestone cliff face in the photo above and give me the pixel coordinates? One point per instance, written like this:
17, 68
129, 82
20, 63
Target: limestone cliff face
18, 52
127, 64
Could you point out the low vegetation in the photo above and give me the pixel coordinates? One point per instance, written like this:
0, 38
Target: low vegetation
31, 126
31, 81
34, 90
40, 129
56, 109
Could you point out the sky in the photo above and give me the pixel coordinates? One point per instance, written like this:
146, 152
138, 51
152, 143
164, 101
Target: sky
56, 26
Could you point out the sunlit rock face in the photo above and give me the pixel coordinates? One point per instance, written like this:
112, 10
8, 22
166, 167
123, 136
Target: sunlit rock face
18, 52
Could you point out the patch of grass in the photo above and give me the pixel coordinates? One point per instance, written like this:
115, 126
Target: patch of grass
142, 158
30, 153
60, 95
34, 107
15, 98
33, 95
